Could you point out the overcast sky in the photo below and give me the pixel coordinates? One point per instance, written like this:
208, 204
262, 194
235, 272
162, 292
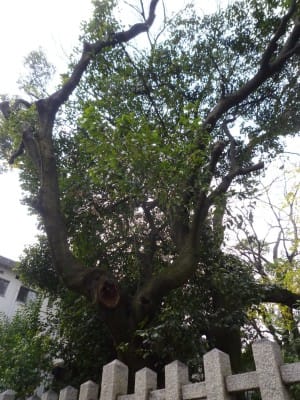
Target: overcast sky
25, 26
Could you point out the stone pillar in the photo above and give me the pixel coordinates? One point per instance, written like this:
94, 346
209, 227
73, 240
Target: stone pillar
50, 395
268, 360
216, 368
34, 397
114, 380
68, 393
176, 375
89, 391
8, 395
145, 380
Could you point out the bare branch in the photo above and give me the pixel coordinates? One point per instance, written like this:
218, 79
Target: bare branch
226, 181
216, 153
251, 168
17, 153
295, 227
276, 247
279, 222
6, 108
233, 153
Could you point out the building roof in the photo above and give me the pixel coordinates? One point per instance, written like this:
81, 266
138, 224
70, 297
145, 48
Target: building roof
6, 262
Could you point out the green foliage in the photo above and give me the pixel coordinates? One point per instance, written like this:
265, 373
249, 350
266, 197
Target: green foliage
10, 129
133, 157
25, 351
36, 268
81, 340
38, 75
102, 23
141, 112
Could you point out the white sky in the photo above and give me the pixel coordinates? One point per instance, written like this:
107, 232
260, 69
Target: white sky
25, 26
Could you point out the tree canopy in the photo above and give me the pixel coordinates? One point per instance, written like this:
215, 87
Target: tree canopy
132, 161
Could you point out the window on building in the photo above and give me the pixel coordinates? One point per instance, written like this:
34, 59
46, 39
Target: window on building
25, 295
3, 286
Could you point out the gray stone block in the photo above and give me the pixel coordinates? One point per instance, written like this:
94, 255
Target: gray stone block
268, 360
114, 380
89, 391
68, 393
8, 395
216, 368
50, 395
176, 375
145, 381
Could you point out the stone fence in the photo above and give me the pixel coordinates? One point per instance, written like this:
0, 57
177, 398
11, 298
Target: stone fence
271, 377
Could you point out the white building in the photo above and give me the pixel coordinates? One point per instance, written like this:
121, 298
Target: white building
13, 294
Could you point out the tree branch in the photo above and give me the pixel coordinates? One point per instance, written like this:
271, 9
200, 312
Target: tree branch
272, 46
148, 298
91, 50
266, 69
17, 153
216, 153
181, 269
233, 152
226, 181
277, 294
6, 108
96, 284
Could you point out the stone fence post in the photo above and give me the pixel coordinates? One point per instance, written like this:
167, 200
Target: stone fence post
145, 381
8, 395
68, 393
268, 360
216, 368
89, 391
176, 375
49, 395
271, 378
114, 380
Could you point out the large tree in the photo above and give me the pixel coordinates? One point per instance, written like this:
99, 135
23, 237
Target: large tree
131, 181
